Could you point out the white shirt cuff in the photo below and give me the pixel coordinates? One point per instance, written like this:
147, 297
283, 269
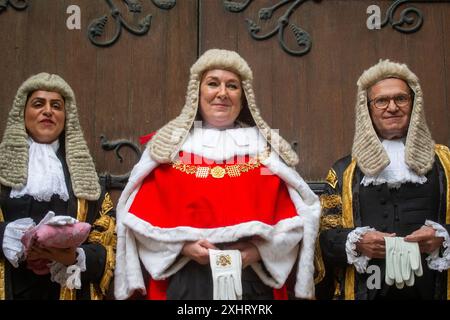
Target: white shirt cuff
13, 249
359, 261
69, 276
434, 261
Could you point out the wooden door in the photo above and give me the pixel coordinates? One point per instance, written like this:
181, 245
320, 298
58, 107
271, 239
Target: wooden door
137, 83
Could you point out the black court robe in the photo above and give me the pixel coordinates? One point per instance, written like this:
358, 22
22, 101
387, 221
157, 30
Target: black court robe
347, 204
21, 283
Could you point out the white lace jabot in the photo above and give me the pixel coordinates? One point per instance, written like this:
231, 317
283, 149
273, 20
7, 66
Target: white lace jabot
45, 173
397, 172
220, 145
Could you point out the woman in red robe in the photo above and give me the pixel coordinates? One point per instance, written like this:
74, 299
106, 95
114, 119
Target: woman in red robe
216, 188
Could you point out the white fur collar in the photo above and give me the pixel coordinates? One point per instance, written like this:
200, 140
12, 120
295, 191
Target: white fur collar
220, 145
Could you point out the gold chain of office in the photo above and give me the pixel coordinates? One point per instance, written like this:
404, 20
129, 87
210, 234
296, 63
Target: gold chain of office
217, 172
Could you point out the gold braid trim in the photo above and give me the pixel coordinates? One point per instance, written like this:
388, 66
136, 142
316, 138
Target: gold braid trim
107, 205
330, 201
67, 294
82, 210
95, 292
347, 196
98, 292
104, 233
2, 268
347, 222
331, 178
109, 270
350, 283
330, 221
443, 154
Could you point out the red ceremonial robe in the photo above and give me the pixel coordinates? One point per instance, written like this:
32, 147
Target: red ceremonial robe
170, 197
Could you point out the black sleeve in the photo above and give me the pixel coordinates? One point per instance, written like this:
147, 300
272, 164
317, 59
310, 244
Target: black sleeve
332, 244
95, 262
332, 235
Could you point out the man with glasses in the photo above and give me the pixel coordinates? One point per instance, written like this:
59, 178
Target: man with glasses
394, 184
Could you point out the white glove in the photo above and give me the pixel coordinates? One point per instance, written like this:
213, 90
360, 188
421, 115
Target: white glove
226, 267
397, 261
403, 261
390, 267
412, 251
48, 217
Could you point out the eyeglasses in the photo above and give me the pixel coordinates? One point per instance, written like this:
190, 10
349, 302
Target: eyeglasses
401, 100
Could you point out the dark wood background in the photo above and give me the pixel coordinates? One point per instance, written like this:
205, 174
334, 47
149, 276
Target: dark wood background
137, 84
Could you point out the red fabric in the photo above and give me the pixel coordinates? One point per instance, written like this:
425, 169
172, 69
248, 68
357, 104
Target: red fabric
146, 138
169, 198
157, 289
280, 294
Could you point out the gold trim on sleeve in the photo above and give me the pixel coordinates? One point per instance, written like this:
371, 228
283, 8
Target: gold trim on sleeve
350, 283
107, 205
104, 233
330, 221
347, 222
448, 284
347, 196
2, 279
328, 201
108, 274
331, 178
67, 294
82, 209
95, 295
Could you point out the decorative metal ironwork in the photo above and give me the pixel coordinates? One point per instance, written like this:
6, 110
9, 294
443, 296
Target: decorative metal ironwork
302, 37
97, 27
111, 181
410, 16
16, 4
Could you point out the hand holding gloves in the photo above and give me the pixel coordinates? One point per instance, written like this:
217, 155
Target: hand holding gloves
226, 267
403, 261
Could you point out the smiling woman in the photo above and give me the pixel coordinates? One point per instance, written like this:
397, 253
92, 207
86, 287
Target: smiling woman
45, 116
45, 170
216, 210
220, 98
